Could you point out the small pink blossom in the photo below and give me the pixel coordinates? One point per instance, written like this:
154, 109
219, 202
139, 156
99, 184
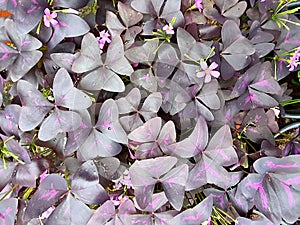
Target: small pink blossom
294, 60
119, 200
293, 63
198, 4
207, 72
134, 64
168, 29
103, 38
50, 18
124, 180
101, 42
104, 35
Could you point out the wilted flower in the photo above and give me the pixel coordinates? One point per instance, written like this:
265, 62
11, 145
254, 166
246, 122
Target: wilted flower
50, 18
168, 29
207, 72
198, 4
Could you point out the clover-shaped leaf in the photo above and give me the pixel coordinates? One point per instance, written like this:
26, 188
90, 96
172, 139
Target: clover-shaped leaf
237, 49
101, 75
274, 175
256, 87
152, 138
146, 173
18, 51
36, 107
104, 137
159, 9
129, 18
130, 105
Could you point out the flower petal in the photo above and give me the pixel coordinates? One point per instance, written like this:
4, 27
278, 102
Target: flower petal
53, 15
215, 74
47, 12
213, 65
54, 22
207, 79
203, 65
200, 74
46, 21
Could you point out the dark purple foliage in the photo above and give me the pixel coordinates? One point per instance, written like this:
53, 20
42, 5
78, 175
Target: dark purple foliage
274, 175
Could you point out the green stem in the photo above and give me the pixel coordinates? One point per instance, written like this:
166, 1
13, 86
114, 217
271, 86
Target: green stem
290, 102
154, 52
190, 58
210, 53
7, 193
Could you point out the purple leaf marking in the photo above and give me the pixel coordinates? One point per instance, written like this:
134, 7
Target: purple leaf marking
3, 215
274, 166
251, 98
262, 82
287, 41
49, 195
258, 186
193, 218
288, 192
291, 181
207, 169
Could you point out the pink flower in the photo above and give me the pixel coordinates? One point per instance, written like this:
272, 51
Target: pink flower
134, 64
104, 35
294, 60
124, 180
50, 18
293, 63
207, 72
198, 4
101, 42
168, 29
103, 38
119, 200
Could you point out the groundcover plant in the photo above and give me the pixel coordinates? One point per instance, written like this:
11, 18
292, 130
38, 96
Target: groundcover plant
163, 112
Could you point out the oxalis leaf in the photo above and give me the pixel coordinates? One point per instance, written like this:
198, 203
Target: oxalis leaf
36, 107
101, 75
18, 52
104, 137
146, 173
152, 139
274, 189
